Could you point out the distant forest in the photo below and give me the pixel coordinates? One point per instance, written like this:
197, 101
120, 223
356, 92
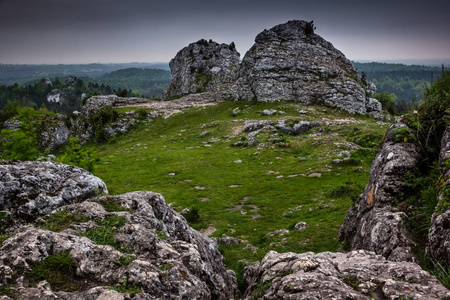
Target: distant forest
21, 74
131, 82
404, 83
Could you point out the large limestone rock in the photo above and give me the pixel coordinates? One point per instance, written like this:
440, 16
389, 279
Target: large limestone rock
168, 260
354, 275
30, 189
201, 67
374, 222
439, 234
290, 62
287, 62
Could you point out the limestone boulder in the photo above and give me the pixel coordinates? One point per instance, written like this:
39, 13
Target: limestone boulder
374, 222
156, 252
354, 275
290, 62
30, 189
202, 66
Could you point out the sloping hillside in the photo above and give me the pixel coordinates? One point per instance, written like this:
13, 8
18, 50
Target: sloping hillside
244, 173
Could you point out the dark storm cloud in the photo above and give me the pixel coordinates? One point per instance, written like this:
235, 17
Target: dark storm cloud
60, 31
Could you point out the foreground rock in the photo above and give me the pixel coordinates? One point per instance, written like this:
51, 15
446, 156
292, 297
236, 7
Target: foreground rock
439, 234
30, 189
162, 257
354, 275
201, 67
374, 222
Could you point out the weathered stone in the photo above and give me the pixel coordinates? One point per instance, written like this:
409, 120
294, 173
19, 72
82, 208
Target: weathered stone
202, 66
301, 226
170, 260
290, 62
374, 222
439, 234
121, 126
54, 134
29, 189
354, 275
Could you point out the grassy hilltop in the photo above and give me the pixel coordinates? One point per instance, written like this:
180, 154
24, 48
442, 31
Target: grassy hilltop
201, 160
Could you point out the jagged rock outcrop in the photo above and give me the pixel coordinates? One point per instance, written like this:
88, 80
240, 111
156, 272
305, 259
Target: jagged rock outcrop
290, 62
439, 233
374, 222
30, 189
168, 259
287, 62
202, 66
83, 124
354, 275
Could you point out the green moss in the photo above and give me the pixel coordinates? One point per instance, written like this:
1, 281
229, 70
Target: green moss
60, 220
58, 269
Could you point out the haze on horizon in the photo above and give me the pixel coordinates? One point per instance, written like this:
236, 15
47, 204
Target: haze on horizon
116, 31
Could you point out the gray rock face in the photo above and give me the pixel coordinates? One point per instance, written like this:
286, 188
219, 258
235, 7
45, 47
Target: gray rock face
290, 62
202, 66
374, 223
30, 189
439, 234
354, 275
287, 62
54, 134
170, 260
82, 126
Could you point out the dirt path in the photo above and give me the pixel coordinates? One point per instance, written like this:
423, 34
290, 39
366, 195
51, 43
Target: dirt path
168, 108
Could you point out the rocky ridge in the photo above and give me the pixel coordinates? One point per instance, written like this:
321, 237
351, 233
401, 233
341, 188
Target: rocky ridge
287, 62
375, 222
155, 251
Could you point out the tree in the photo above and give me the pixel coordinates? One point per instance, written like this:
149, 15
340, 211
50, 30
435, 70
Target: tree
387, 100
309, 29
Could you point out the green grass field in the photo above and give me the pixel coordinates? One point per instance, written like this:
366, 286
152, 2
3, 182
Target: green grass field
249, 192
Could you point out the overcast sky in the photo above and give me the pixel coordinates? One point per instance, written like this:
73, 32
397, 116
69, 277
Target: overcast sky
105, 31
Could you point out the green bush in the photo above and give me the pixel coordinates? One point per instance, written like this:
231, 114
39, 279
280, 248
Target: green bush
77, 156
18, 145
193, 215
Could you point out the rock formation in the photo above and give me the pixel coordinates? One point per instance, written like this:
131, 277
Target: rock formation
83, 123
63, 94
54, 134
160, 255
201, 67
354, 275
439, 234
31, 189
287, 62
374, 222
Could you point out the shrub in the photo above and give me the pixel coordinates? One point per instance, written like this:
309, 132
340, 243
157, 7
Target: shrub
18, 145
193, 215
77, 156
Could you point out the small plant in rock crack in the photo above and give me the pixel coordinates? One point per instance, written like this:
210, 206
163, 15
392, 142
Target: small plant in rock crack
126, 287
58, 269
125, 260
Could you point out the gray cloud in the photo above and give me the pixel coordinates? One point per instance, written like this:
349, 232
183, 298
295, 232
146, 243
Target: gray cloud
62, 31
